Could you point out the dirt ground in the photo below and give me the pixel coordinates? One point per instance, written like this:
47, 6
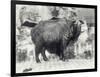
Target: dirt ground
54, 65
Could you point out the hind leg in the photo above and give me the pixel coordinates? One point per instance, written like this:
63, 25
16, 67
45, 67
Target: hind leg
37, 52
62, 49
44, 55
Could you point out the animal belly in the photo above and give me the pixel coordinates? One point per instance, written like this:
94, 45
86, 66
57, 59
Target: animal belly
53, 47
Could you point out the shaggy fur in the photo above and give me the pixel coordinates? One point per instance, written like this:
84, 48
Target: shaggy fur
54, 36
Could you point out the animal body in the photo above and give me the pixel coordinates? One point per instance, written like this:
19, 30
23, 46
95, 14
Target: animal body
54, 36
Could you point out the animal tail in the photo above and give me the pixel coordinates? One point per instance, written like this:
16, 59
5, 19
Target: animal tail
29, 24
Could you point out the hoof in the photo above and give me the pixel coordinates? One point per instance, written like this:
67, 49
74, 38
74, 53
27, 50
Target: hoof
63, 59
38, 61
45, 59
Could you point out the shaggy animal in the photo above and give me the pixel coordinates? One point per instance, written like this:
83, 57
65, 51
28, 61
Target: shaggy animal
54, 36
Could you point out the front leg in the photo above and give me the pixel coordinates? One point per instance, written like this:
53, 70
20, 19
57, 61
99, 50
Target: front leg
62, 57
61, 54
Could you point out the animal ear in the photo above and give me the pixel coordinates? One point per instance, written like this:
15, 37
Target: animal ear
74, 22
81, 21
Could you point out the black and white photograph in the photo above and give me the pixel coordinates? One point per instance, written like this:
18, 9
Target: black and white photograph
50, 38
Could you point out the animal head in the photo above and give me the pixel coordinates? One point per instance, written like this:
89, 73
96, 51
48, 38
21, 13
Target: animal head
77, 27
82, 24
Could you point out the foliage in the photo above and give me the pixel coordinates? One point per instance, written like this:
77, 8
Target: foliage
21, 56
